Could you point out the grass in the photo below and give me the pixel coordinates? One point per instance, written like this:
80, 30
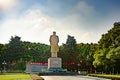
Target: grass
15, 77
110, 76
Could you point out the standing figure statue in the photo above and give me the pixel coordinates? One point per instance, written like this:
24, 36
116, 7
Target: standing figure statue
54, 39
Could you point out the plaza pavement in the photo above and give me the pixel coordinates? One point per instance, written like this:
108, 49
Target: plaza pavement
72, 78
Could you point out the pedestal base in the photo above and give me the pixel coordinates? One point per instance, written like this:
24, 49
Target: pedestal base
54, 62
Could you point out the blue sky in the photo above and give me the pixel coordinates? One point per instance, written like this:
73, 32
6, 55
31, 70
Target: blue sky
35, 20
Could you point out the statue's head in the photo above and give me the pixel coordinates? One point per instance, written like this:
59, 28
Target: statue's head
54, 32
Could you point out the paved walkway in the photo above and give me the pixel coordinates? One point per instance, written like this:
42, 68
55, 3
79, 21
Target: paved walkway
72, 78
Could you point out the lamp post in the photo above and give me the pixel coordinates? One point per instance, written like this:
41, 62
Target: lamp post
4, 63
78, 66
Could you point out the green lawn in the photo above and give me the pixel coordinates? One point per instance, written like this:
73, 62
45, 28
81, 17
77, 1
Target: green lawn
109, 75
106, 76
15, 77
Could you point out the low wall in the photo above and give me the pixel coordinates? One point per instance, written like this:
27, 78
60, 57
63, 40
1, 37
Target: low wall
35, 67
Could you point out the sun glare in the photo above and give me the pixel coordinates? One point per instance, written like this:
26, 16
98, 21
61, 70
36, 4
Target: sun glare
2, 2
7, 4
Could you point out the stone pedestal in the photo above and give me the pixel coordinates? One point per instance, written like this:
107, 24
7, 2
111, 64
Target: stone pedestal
54, 62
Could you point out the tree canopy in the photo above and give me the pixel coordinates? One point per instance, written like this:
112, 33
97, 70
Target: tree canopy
107, 55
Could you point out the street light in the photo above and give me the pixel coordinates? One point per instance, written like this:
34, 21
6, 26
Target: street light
78, 66
4, 63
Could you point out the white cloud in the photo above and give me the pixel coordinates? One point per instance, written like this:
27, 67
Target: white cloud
85, 8
31, 26
89, 37
34, 26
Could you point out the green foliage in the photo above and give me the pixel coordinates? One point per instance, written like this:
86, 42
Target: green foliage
71, 49
111, 38
71, 43
86, 52
14, 50
21, 65
68, 52
1, 53
35, 52
114, 53
107, 55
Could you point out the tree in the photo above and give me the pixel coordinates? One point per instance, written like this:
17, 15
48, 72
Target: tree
2, 53
36, 52
108, 50
69, 51
85, 56
114, 56
15, 49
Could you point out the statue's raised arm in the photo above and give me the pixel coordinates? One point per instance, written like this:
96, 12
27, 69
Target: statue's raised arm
54, 40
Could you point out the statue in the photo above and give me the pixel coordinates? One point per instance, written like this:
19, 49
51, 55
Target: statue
54, 39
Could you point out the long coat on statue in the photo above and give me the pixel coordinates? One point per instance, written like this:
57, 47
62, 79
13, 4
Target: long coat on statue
54, 43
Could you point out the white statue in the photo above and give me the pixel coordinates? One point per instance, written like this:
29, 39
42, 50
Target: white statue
54, 39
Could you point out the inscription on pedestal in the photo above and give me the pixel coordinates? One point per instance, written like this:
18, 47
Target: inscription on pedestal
54, 63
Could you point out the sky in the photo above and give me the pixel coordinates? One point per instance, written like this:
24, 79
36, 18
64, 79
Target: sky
35, 20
